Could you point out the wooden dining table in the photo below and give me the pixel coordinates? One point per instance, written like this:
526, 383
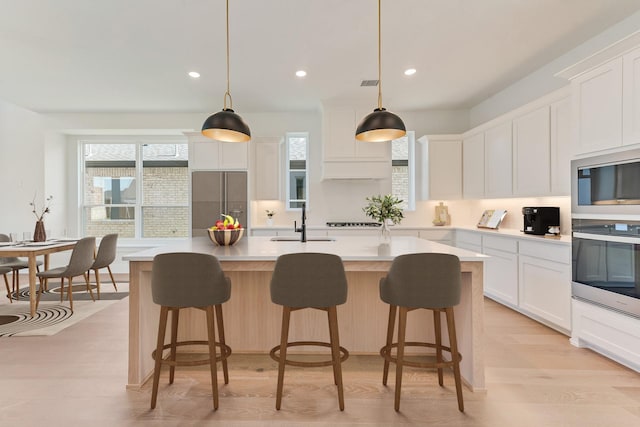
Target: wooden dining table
31, 250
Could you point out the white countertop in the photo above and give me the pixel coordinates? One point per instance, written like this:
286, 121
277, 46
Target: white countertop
349, 248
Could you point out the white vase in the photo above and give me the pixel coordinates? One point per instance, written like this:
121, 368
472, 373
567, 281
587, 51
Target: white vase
385, 233
269, 222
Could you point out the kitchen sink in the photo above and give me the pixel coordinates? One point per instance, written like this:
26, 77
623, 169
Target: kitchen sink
295, 238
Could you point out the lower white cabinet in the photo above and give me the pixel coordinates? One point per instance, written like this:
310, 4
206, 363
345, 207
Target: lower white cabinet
501, 270
444, 236
545, 283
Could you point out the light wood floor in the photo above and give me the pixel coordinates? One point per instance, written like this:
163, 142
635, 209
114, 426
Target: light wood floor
534, 378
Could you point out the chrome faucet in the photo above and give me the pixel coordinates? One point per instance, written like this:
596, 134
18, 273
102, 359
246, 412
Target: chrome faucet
303, 227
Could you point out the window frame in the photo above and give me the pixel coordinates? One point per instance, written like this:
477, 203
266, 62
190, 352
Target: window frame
288, 170
139, 142
411, 164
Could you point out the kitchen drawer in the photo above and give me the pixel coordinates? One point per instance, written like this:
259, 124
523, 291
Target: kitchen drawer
549, 251
504, 244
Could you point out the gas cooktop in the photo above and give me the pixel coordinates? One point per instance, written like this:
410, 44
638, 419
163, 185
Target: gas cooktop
353, 224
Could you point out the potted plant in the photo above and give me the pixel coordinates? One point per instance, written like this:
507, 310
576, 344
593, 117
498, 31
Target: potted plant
384, 209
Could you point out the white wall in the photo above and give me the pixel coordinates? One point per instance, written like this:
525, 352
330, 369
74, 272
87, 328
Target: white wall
22, 170
543, 81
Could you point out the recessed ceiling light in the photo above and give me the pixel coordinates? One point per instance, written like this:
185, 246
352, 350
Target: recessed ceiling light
194, 74
409, 71
301, 73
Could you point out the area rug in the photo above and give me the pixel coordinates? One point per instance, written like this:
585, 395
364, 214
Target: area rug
52, 315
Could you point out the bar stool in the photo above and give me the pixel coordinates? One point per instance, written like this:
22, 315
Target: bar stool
180, 280
309, 280
430, 281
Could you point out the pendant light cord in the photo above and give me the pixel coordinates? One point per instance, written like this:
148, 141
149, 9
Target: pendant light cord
379, 60
228, 92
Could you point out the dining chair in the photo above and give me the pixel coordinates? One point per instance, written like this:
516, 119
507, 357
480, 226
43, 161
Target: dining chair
15, 264
4, 271
106, 255
79, 263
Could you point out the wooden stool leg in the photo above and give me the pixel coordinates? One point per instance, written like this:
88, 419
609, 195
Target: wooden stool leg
453, 344
220, 321
402, 329
162, 326
95, 272
212, 354
175, 316
112, 279
437, 329
46, 284
15, 284
335, 353
284, 338
390, 326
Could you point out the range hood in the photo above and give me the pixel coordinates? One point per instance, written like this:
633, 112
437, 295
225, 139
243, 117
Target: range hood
369, 170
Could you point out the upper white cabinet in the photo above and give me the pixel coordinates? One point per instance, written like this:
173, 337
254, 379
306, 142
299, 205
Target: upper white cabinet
266, 168
597, 106
561, 147
473, 166
209, 154
531, 153
439, 167
345, 157
498, 171
631, 97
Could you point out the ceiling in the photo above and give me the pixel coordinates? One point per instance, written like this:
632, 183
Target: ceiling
134, 55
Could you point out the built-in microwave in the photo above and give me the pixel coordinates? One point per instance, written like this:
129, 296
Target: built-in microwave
606, 186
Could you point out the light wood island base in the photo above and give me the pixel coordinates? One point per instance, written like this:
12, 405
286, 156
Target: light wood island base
252, 321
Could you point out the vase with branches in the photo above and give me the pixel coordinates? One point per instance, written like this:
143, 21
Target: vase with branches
39, 234
386, 210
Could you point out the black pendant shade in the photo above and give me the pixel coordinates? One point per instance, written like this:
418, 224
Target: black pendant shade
379, 126
226, 126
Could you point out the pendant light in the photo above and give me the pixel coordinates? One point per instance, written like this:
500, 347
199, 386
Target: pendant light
381, 125
226, 125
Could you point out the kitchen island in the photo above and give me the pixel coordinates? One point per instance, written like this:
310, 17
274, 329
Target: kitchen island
252, 321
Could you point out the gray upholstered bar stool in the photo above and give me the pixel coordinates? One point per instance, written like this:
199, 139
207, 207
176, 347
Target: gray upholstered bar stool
309, 280
180, 280
430, 281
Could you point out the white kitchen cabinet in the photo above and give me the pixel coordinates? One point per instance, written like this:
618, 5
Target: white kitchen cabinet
561, 147
439, 167
545, 283
597, 107
498, 161
354, 231
631, 97
607, 332
343, 156
469, 240
267, 168
501, 270
531, 153
473, 166
209, 154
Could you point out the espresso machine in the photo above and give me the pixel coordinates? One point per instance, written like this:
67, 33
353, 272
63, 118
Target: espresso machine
537, 220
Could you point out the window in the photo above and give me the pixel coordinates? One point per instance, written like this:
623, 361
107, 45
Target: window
403, 170
297, 178
135, 189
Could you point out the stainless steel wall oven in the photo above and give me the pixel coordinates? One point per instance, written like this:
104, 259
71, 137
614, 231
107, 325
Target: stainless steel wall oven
605, 199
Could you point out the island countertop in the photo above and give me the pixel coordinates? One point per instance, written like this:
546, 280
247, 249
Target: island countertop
349, 248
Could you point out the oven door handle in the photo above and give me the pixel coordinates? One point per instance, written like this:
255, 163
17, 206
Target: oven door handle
607, 238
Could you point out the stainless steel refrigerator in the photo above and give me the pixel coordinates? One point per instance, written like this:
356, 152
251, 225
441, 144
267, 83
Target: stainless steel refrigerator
214, 193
